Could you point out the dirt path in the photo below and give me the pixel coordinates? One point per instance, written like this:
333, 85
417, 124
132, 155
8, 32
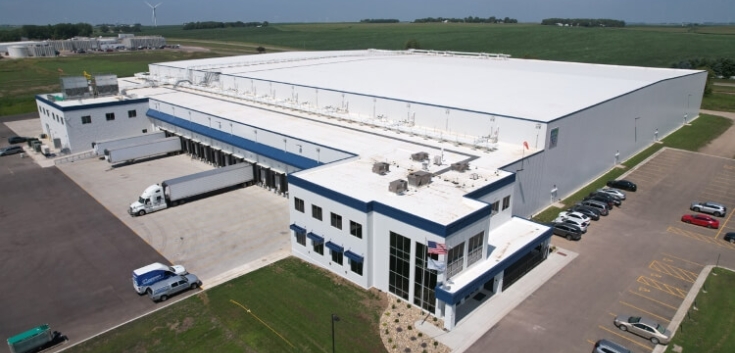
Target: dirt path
723, 146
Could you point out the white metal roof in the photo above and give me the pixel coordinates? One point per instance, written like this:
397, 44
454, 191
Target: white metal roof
529, 89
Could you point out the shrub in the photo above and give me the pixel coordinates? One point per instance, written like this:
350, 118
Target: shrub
386, 331
393, 306
387, 313
390, 340
396, 320
436, 344
408, 306
421, 334
409, 327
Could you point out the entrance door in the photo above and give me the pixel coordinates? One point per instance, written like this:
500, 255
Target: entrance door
524, 265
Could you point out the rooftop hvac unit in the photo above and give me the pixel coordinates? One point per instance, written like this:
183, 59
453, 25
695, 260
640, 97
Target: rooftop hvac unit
419, 178
460, 166
74, 87
438, 160
381, 168
420, 156
398, 186
106, 85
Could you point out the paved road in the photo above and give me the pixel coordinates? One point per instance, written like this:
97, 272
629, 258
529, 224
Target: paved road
723, 146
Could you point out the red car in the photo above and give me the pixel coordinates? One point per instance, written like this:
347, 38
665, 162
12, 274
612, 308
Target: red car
701, 220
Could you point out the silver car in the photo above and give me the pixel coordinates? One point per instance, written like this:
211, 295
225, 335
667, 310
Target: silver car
712, 208
599, 206
613, 192
160, 291
644, 327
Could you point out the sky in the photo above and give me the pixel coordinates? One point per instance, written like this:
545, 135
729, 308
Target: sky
170, 12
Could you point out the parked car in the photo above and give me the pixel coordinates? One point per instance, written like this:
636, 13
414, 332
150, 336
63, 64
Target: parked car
730, 237
602, 198
6, 151
605, 346
579, 224
701, 220
569, 231
16, 139
644, 327
162, 290
613, 192
592, 213
610, 198
622, 185
709, 207
602, 207
145, 276
576, 215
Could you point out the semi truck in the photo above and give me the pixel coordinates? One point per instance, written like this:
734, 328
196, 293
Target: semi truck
35, 339
175, 191
100, 146
144, 150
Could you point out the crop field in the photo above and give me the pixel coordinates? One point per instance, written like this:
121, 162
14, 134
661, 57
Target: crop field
643, 46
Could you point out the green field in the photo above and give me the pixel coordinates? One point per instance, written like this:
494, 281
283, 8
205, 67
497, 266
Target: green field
691, 138
20, 80
709, 328
290, 303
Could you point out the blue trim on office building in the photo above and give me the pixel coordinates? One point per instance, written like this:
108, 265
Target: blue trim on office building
510, 179
352, 256
297, 229
92, 105
479, 281
334, 247
239, 142
315, 238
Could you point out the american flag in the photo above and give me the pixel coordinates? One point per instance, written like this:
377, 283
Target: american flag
437, 248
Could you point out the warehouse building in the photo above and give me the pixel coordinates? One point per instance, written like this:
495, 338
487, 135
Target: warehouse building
414, 172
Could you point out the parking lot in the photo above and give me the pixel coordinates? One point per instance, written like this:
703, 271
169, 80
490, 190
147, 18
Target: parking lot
639, 261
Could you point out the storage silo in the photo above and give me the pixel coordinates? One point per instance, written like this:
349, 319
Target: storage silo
18, 51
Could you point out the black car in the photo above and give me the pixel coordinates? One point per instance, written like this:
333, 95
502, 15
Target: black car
623, 185
10, 150
730, 237
610, 203
16, 139
601, 195
571, 232
592, 213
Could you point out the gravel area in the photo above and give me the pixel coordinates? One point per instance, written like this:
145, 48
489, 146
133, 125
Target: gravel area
398, 331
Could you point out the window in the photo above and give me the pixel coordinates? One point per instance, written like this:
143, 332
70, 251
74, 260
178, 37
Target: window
424, 279
336, 220
86, 119
132, 113
301, 238
506, 202
474, 249
356, 229
356, 267
110, 116
61, 119
336, 256
298, 204
318, 247
455, 260
399, 267
496, 207
316, 212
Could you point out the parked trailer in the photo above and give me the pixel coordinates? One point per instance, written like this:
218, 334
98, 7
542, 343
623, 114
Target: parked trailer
174, 191
111, 144
150, 149
37, 338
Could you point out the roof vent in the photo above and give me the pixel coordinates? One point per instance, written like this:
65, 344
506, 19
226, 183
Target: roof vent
381, 168
419, 178
460, 166
398, 186
420, 156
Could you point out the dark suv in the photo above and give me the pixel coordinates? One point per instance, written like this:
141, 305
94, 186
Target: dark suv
569, 231
10, 150
611, 200
623, 185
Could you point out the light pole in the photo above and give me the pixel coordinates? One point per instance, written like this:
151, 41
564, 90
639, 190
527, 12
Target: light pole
334, 318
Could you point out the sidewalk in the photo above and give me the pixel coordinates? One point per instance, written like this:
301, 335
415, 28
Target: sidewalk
476, 324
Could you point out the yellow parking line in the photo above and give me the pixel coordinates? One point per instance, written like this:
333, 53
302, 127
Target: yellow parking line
719, 231
591, 342
654, 300
624, 337
669, 289
613, 314
673, 271
679, 258
647, 312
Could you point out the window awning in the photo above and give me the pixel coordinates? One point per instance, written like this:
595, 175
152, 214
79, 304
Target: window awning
204, 143
334, 247
195, 140
216, 148
237, 156
352, 256
297, 229
317, 239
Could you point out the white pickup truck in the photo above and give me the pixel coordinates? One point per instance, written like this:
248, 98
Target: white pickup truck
712, 208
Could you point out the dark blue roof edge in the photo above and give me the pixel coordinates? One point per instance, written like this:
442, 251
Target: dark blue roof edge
88, 106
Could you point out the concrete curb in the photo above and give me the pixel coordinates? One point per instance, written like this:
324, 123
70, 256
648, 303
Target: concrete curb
686, 305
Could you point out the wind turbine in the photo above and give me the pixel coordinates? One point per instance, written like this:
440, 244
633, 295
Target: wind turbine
154, 12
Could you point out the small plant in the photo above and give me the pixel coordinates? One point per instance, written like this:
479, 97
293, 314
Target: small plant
408, 306
396, 320
435, 319
424, 351
394, 346
387, 313
393, 306
436, 344
390, 340
386, 331
421, 334
385, 324
409, 327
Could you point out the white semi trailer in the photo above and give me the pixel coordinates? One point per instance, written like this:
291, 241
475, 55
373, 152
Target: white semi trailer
175, 191
145, 150
100, 146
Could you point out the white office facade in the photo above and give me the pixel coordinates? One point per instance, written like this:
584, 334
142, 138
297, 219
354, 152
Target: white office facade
498, 139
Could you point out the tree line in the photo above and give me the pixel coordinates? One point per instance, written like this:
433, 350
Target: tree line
57, 31
379, 20
105, 28
469, 19
722, 67
214, 24
583, 22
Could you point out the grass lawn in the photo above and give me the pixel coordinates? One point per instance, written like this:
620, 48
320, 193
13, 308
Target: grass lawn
290, 305
719, 100
709, 329
701, 131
